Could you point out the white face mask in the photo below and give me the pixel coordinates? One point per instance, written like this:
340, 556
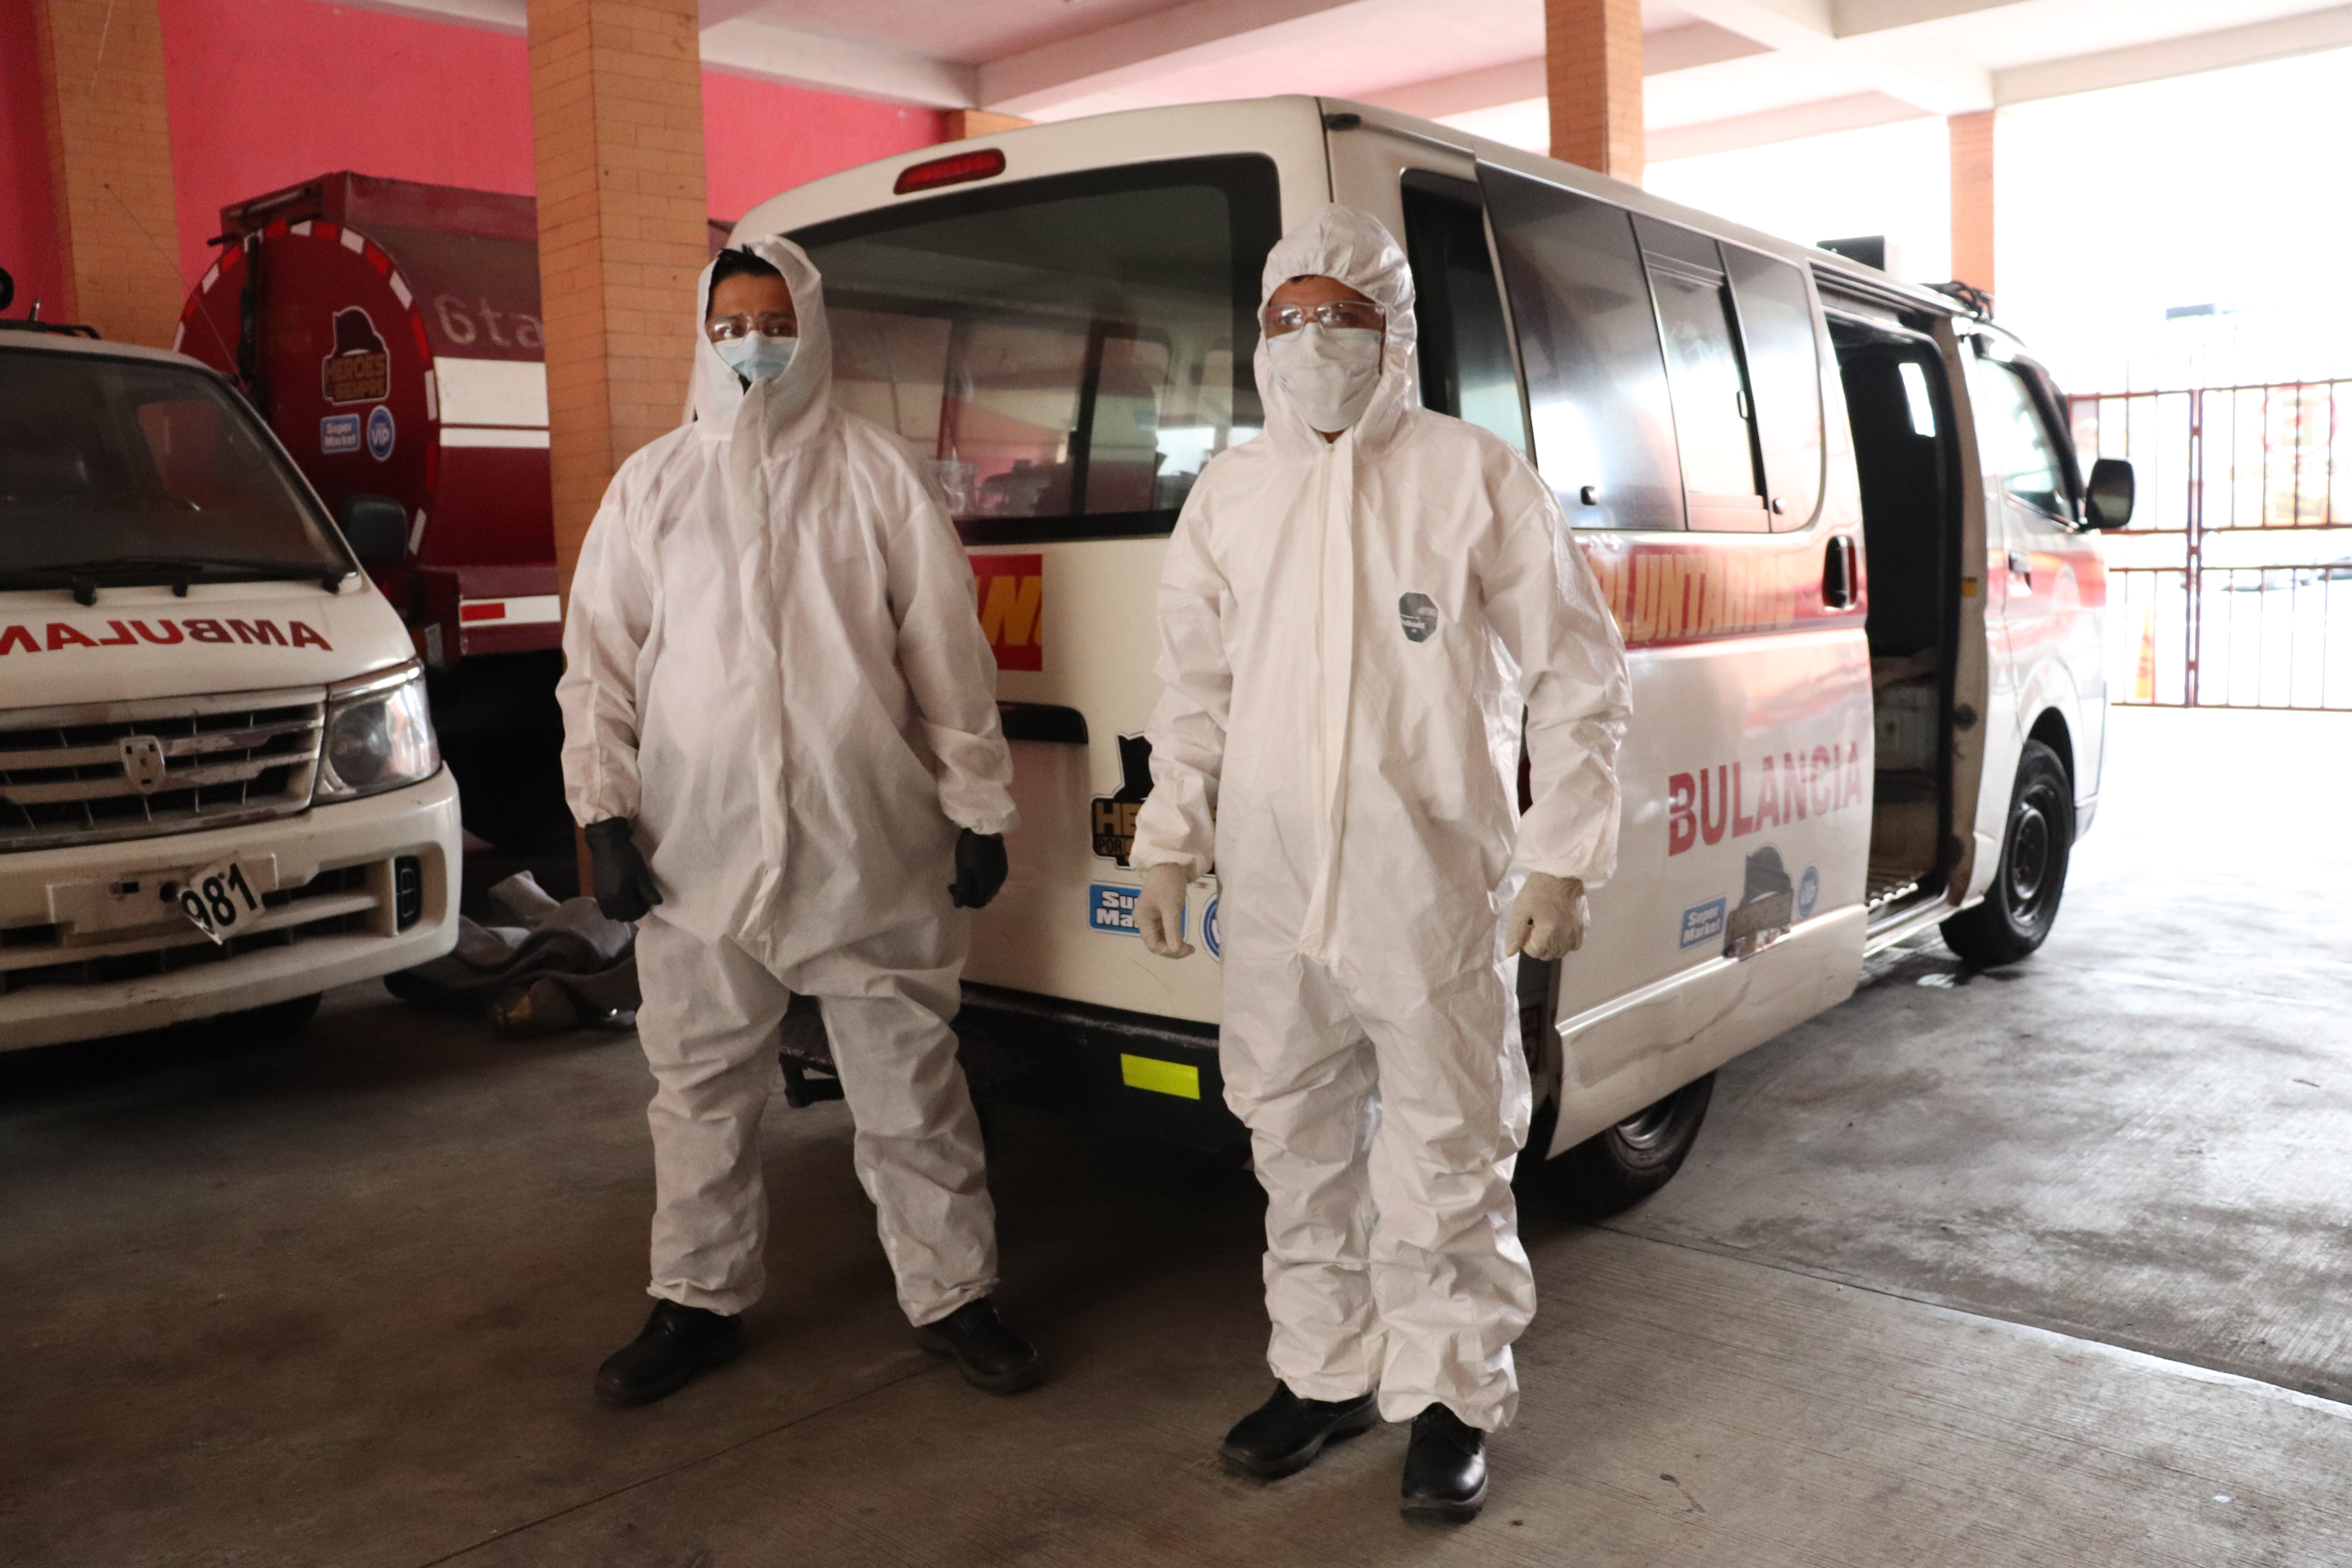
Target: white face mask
755, 356
1330, 372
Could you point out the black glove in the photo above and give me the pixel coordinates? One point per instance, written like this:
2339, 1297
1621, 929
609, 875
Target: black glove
624, 883
980, 868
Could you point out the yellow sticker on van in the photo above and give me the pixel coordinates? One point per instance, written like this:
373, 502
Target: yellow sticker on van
1158, 1076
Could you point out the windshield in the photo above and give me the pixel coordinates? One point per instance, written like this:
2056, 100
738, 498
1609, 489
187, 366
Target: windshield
1068, 351
110, 460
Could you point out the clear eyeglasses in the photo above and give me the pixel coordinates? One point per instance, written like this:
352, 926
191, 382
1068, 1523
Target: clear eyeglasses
1282, 320
770, 323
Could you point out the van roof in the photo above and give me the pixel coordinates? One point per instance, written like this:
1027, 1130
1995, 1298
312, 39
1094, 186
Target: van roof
855, 189
60, 343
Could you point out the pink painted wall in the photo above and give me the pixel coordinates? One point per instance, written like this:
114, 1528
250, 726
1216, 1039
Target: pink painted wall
263, 93
763, 137
28, 245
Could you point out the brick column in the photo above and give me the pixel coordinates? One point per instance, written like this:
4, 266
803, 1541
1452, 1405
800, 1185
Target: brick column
616, 123
1592, 67
965, 123
1972, 191
102, 64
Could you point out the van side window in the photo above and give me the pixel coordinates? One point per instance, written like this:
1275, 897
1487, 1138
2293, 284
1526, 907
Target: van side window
1714, 411
1597, 399
2015, 444
1784, 371
1466, 345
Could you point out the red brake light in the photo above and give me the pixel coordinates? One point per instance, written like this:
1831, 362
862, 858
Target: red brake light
953, 170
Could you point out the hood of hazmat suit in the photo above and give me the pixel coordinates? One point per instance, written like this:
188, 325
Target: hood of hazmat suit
1349, 634
773, 665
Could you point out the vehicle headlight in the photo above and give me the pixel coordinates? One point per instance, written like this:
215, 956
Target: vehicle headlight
379, 736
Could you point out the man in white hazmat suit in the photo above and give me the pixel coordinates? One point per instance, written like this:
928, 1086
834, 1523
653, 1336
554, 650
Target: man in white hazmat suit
781, 737
1356, 609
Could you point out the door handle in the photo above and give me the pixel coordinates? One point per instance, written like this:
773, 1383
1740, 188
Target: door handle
1840, 591
2020, 569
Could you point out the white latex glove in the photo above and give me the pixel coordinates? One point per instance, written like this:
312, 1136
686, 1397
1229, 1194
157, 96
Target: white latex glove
1548, 917
1160, 912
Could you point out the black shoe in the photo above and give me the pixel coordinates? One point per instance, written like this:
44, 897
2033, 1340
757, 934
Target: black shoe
1444, 1468
1282, 1436
989, 1354
678, 1343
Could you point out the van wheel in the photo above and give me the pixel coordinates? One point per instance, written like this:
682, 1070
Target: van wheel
2022, 905
1614, 1169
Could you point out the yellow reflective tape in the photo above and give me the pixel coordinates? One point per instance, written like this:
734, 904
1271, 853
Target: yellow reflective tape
1159, 1077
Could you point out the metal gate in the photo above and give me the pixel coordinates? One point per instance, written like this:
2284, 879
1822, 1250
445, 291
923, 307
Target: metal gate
2232, 588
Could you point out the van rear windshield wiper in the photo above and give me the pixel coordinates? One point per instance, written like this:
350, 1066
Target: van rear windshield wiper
85, 577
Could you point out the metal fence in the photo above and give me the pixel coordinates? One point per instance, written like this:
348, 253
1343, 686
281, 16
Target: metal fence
2232, 587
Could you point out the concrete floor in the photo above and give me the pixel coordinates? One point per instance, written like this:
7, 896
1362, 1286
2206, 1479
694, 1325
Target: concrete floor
2041, 1267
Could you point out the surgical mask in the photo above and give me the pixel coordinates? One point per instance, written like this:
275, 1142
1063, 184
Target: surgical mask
1330, 372
756, 356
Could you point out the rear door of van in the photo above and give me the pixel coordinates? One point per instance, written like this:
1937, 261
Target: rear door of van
1067, 343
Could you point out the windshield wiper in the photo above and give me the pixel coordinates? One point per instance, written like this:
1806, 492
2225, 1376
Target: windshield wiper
123, 571
84, 591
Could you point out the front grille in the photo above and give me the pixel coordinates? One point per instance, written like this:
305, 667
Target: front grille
72, 775
341, 893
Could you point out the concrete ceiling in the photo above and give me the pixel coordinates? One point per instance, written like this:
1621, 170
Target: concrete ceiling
1720, 74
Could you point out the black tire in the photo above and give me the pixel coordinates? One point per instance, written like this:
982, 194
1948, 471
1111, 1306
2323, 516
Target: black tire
1614, 1169
2036, 843
274, 1021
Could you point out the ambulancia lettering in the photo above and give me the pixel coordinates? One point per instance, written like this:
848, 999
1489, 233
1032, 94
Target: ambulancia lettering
1748, 796
58, 635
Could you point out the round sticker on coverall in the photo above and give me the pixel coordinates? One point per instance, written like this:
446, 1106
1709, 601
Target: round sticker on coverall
1418, 612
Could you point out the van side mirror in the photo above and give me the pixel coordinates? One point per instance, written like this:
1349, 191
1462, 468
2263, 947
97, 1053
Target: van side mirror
377, 528
2111, 493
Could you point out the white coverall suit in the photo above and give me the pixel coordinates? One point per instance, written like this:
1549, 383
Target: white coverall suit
1348, 633
773, 666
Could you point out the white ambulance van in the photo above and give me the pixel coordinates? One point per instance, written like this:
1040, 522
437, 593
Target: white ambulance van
1840, 521
219, 790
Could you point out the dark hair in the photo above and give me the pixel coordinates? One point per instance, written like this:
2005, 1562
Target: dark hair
741, 263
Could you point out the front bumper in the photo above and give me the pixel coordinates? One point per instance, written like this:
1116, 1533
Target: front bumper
77, 962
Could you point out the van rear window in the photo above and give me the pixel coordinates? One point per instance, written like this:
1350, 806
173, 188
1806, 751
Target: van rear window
1068, 351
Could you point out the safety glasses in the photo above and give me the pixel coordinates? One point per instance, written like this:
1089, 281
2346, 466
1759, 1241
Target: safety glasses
769, 324
1280, 320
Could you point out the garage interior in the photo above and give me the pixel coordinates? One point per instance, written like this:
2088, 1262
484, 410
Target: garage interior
2043, 1263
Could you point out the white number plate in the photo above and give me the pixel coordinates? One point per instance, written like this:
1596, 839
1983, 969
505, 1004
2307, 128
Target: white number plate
220, 900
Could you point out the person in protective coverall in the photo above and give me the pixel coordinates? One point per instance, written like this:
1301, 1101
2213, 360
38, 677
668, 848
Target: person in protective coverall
1356, 609
780, 738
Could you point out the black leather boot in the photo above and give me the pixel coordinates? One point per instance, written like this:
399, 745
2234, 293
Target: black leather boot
1282, 1436
989, 1354
1444, 1468
679, 1342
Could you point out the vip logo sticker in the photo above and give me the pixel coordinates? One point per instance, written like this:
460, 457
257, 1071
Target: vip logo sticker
339, 433
1808, 892
359, 368
1213, 930
1012, 608
379, 432
1418, 612
1703, 922
1114, 815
